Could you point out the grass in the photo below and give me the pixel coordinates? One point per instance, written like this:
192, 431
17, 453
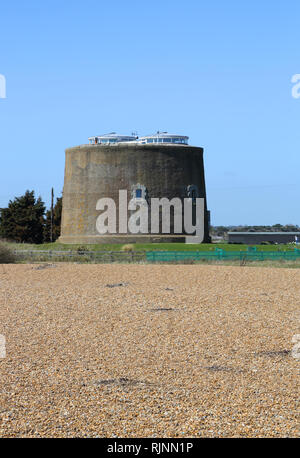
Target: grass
248, 263
120, 260
136, 253
146, 247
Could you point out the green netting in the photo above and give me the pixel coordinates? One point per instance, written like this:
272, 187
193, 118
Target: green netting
219, 254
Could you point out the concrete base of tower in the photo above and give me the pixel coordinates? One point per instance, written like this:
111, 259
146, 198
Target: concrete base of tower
102, 239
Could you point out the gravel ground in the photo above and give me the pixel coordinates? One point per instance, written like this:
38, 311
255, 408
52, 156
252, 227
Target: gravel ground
148, 351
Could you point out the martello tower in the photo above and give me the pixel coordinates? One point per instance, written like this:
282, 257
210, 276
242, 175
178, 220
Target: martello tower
156, 166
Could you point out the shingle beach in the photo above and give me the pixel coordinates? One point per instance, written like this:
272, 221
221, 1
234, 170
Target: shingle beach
149, 351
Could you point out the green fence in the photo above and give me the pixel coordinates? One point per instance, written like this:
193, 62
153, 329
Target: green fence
155, 256
222, 255
80, 256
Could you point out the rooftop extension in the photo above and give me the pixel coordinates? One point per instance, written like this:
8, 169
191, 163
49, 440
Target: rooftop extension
160, 137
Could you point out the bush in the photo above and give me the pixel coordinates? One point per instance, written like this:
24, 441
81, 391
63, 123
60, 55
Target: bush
7, 256
129, 247
82, 249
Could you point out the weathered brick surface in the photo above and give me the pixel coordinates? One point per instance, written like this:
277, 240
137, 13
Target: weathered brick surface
93, 172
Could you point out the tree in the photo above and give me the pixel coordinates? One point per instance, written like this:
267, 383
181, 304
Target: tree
56, 222
23, 219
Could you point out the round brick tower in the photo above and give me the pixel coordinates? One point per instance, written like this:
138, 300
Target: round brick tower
146, 169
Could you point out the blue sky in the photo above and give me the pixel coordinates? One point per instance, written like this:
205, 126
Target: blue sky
219, 72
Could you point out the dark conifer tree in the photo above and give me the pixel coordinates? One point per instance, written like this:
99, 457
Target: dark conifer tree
23, 219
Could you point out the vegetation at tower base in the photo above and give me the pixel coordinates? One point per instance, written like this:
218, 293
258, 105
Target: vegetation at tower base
23, 219
7, 255
56, 222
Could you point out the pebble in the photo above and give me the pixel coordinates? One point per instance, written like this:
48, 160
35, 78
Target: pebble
87, 360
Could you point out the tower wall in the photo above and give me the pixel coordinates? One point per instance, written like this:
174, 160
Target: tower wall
96, 171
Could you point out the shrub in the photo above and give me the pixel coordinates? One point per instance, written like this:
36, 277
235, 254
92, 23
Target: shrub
7, 256
128, 247
82, 249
